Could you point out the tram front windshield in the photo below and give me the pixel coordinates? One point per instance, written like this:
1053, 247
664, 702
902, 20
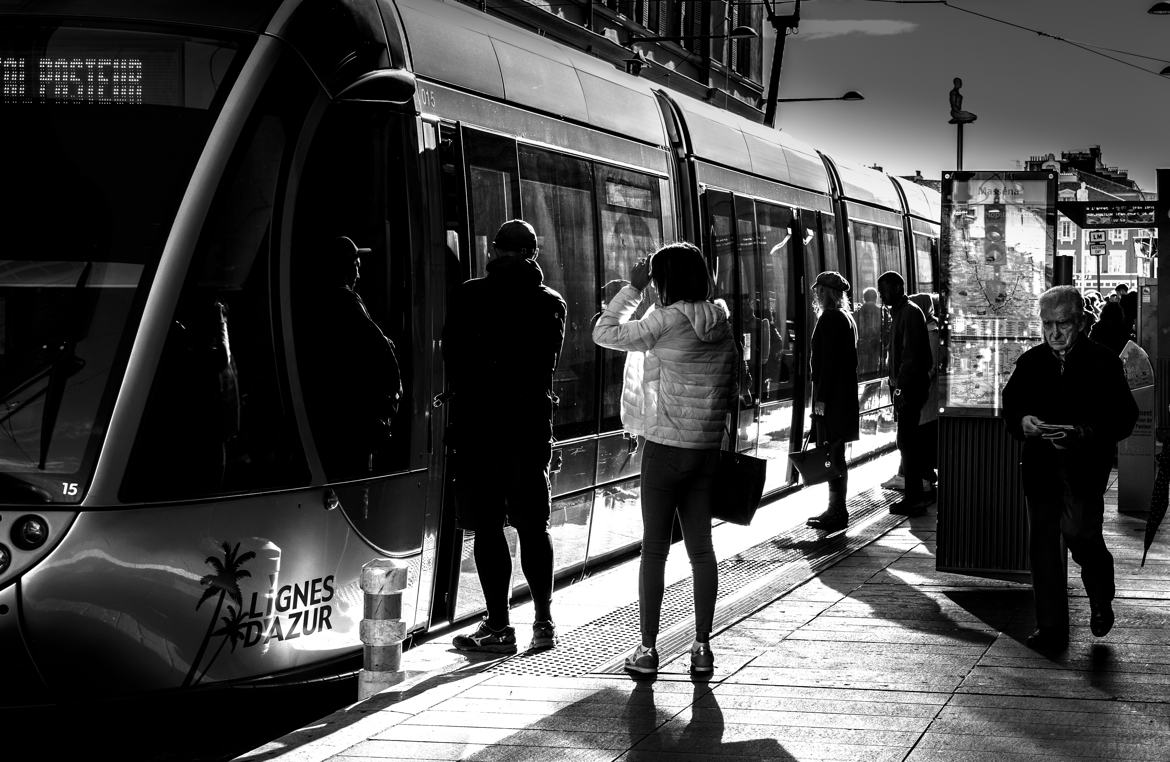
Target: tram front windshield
101, 130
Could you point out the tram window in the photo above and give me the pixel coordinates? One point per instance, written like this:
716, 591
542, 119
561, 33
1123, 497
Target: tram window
774, 307
354, 363
746, 297
218, 418
829, 246
493, 187
812, 267
631, 228
876, 250
721, 242
924, 259
556, 195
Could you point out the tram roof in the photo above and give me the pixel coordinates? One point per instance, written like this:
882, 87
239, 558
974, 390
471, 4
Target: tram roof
239, 15
502, 61
923, 202
867, 186
725, 138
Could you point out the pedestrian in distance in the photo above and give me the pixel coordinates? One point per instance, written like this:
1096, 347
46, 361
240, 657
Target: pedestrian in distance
1069, 402
909, 380
1111, 329
835, 413
680, 406
501, 343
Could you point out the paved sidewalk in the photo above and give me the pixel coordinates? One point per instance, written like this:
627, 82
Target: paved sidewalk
876, 657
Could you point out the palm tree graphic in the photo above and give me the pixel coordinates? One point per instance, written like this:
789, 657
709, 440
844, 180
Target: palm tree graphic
225, 581
231, 632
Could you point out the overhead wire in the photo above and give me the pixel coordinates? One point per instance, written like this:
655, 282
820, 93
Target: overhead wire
1098, 50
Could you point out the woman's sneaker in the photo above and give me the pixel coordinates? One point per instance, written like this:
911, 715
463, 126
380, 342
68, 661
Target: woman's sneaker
897, 481
544, 636
643, 660
501, 641
702, 660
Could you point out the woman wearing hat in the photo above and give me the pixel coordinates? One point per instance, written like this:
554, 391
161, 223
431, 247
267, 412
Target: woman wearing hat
834, 387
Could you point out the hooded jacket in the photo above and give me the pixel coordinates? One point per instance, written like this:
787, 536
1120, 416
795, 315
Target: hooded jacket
683, 392
501, 343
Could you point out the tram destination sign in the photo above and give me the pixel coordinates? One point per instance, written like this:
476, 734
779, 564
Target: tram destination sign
1109, 214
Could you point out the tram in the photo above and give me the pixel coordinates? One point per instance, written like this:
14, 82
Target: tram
172, 180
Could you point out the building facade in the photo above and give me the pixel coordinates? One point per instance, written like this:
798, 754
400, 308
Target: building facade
1083, 176
700, 60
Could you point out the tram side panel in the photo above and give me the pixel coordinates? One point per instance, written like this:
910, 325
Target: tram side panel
239, 552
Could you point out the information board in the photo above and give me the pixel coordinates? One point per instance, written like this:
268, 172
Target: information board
998, 244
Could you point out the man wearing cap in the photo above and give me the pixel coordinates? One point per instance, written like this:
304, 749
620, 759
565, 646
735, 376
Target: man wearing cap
910, 364
833, 359
501, 343
354, 382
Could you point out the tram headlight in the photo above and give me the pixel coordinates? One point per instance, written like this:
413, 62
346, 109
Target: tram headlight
5, 558
30, 532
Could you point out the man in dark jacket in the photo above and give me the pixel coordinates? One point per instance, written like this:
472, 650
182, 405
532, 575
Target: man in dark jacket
501, 343
910, 365
1069, 402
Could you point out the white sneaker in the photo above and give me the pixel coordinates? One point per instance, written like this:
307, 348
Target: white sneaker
897, 481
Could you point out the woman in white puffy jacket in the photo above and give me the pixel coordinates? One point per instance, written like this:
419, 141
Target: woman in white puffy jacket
677, 395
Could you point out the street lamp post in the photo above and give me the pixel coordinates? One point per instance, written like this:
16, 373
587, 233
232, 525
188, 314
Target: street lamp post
781, 25
849, 95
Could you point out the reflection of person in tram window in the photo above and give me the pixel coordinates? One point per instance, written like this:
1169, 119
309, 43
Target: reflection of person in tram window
354, 382
870, 319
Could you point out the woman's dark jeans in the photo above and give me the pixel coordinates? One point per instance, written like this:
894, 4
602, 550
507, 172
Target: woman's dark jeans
676, 479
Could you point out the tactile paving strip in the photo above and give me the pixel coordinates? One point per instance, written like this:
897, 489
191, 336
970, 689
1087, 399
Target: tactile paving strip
748, 580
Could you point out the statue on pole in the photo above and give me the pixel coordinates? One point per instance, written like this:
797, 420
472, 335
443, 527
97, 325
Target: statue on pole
958, 115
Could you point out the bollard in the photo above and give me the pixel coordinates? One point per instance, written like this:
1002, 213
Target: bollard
382, 628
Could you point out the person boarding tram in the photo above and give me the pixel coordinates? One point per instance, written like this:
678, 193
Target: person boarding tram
501, 343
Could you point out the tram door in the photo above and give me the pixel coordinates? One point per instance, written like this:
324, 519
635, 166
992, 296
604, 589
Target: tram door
756, 246
358, 328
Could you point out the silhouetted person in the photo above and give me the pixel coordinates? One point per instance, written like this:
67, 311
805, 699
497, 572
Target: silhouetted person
354, 382
1111, 329
833, 359
909, 367
501, 344
1069, 402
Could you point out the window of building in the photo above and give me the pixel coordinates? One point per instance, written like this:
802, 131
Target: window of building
1118, 236
1066, 229
1117, 261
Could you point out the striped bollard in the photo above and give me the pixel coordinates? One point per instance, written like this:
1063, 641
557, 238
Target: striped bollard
382, 628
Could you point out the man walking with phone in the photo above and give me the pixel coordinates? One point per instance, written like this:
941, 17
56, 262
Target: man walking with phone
1069, 402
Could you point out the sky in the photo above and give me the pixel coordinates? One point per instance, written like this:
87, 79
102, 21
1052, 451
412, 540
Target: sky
1032, 95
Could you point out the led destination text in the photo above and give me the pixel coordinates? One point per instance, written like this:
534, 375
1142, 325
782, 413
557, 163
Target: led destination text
104, 80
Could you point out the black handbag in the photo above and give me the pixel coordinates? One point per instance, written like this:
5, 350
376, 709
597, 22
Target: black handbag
739, 485
814, 465
739, 478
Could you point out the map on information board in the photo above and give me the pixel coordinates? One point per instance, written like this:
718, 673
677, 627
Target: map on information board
997, 247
